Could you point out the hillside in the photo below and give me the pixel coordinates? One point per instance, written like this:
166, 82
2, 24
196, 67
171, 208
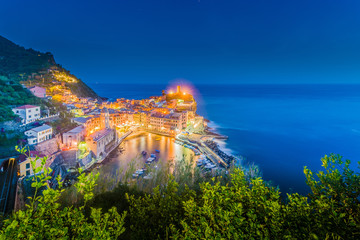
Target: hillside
20, 66
16, 61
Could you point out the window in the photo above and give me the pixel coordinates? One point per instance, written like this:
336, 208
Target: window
37, 109
27, 165
27, 172
29, 110
29, 116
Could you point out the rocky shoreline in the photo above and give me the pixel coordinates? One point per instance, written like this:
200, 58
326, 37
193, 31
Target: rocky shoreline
215, 147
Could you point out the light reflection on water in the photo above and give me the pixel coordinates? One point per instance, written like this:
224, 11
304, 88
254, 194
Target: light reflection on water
148, 142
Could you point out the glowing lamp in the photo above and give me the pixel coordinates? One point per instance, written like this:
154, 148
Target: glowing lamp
171, 92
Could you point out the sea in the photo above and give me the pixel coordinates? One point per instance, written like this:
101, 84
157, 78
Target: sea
279, 128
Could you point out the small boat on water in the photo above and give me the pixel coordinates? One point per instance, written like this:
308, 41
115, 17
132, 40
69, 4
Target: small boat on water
150, 160
138, 173
143, 153
157, 139
157, 150
149, 176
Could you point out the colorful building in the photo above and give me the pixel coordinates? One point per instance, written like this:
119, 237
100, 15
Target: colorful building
73, 137
38, 91
25, 168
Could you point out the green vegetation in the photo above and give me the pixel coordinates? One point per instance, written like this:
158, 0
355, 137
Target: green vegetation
8, 141
44, 219
12, 93
235, 206
17, 62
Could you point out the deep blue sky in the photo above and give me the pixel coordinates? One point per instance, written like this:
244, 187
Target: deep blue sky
203, 41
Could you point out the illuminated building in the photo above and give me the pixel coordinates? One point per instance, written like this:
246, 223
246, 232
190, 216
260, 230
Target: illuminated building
74, 136
102, 141
169, 123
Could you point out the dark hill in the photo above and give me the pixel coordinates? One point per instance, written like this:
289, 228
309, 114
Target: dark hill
15, 60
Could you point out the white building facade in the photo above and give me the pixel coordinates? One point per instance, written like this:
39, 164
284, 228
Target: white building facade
39, 134
28, 113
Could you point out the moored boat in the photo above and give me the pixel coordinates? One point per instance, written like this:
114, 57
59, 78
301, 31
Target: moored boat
150, 160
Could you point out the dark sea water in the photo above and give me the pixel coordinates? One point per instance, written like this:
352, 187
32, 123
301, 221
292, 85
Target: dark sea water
280, 128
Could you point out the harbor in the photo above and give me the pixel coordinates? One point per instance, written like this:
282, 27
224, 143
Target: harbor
133, 149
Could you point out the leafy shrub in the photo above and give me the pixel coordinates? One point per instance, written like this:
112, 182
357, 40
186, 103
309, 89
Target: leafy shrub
44, 218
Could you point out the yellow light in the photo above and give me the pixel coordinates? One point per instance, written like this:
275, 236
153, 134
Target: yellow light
171, 92
184, 93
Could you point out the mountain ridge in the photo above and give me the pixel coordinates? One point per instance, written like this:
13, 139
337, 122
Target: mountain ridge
21, 65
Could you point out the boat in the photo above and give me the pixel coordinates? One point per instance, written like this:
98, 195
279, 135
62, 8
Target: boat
150, 160
210, 165
143, 153
135, 175
157, 139
157, 150
138, 173
149, 176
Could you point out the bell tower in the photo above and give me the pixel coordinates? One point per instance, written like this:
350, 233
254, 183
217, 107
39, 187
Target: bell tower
105, 117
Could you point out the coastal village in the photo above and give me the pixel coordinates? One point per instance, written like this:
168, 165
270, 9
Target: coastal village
100, 126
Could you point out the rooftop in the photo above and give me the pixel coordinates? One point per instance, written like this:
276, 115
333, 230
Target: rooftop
100, 134
169, 116
81, 119
78, 129
32, 154
41, 128
26, 106
36, 87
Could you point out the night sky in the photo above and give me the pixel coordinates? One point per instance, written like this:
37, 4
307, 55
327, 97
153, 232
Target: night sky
203, 41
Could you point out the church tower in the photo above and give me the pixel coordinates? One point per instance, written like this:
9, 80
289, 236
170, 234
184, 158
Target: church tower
105, 117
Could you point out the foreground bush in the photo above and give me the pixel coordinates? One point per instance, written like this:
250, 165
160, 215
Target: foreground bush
251, 210
241, 207
248, 208
44, 219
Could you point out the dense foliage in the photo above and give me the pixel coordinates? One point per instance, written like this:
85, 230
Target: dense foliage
12, 94
15, 60
43, 217
235, 206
